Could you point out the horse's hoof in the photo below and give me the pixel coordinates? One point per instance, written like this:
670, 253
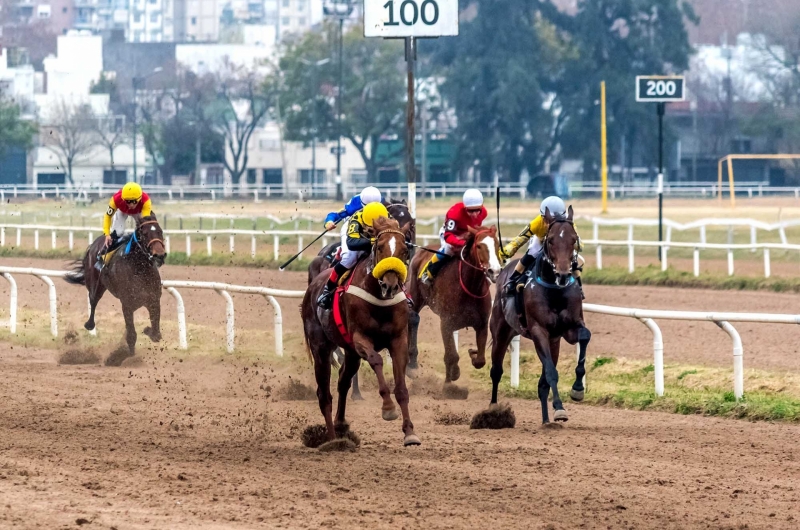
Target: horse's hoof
356, 397
412, 373
477, 362
390, 415
560, 415
576, 395
155, 337
89, 325
548, 425
454, 372
411, 439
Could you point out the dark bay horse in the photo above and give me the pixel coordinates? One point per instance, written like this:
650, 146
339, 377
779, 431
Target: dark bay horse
552, 309
398, 209
459, 295
131, 275
374, 316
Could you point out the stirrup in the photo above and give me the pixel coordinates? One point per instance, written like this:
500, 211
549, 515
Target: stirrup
511, 287
426, 278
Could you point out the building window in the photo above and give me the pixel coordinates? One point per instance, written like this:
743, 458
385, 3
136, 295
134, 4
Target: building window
194, 21
154, 17
137, 18
251, 176
43, 11
153, 1
63, 9
301, 6
305, 176
301, 21
285, 3
273, 176
285, 21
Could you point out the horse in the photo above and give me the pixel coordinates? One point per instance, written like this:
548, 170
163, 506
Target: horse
459, 295
131, 275
398, 209
552, 309
369, 315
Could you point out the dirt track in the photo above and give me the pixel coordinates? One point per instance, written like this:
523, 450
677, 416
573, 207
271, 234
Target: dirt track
199, 444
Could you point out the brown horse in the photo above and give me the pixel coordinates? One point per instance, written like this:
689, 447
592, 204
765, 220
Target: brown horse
459, 295
131, 275
374, 316
398, 210
552, 310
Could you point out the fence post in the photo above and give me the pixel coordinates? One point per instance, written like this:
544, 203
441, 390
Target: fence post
300, 247
753, 238
231, 243
253, 247
278, 325
12, 306
631, 266
188, 245
658, 354
36, 239
2, 236
71, 240
229, 318
730, 261
664, 250
599, 253
53, 304
767, 271
166, 244
90, 237
181, 317
515, 362
276, 244
19, 237
53, 239
738, 359
208, 245
696, 260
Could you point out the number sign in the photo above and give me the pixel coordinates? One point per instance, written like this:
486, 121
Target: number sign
660, 88
410, 18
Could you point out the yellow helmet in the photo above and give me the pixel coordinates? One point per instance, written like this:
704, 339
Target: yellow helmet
131, 191
372, 211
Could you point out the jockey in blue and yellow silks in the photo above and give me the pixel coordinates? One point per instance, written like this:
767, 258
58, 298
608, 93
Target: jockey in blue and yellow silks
356, 204
355, 243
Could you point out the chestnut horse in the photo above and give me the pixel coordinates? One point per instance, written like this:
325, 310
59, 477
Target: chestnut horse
131, 275
374, 316
459, 295
552, 308
398, 210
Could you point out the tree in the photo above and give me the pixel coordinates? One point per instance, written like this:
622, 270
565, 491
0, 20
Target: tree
70, 134
109, 132
14, 132
373, 92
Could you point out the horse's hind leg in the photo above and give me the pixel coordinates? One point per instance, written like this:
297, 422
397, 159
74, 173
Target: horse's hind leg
321, 352
154, 330
582, 336
355, 395
548, 349
501, 338
365, 348
544, 392
413, 351
95, 294
399, 353
347, 371
452, 371
116, 358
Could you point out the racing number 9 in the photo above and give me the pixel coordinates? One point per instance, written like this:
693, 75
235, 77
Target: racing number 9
428, 11
451, 224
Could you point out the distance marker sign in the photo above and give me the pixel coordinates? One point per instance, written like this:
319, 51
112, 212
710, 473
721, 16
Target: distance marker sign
410, 18
660, 88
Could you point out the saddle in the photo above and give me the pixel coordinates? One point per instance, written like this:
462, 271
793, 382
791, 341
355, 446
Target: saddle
115, 246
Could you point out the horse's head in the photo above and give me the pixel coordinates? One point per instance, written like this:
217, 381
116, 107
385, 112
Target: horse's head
151, 237
559, 245
390, 254
399, 211
484, 250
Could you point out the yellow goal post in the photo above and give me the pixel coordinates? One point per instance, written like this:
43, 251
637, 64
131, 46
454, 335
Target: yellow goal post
729, 161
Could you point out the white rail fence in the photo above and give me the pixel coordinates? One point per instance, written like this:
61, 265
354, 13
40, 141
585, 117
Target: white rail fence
223, 289
646, 316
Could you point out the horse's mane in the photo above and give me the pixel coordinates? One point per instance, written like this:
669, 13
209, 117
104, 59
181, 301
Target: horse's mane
384, 223
390, 202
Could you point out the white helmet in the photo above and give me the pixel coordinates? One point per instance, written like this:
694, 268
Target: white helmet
370, 194
555, 205
472, 198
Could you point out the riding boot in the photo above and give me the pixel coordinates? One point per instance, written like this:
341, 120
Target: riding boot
511, 286
325, 299
436, 264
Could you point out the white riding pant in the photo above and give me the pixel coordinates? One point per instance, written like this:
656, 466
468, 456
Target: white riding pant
118, 221
349, 257
445, 247
535, 246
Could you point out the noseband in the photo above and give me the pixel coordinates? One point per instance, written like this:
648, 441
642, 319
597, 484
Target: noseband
378, 236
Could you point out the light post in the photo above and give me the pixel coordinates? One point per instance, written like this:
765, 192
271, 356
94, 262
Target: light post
137, 83
340, 9
315, 82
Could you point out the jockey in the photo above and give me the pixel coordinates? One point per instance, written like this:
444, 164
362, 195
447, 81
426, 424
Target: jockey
536, 232
367, 195
355, 243
470, 212
130, 201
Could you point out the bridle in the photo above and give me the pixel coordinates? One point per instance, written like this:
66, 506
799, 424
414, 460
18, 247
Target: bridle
480, 267
401, 205
377, 238
146, 248
545, 244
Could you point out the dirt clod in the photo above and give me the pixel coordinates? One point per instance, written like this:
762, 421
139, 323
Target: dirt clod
495, 417
79, 356
451, 391
296, 391
338, 445
71, 336
451, 418
317, 435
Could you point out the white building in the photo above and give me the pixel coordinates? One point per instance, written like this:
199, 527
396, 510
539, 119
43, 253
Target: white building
196, 20
150, 21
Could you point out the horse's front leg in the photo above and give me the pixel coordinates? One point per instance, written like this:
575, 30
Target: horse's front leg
154, 330
548, 349
452, 371
365, 348
347, 370
581, 336
398, 350
478, 356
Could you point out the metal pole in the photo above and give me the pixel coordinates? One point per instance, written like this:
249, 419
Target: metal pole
660, 187
411, 55
339, 196
603, 149
135, 109
423, 114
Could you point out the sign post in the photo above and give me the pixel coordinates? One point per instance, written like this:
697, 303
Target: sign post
660, 89
410, 20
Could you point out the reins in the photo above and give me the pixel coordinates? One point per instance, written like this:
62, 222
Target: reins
547, 259
474, 267
146, 248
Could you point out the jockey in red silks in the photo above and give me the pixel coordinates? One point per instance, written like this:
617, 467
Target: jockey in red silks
470, 212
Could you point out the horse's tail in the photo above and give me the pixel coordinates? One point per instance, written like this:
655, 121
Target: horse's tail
78, 274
